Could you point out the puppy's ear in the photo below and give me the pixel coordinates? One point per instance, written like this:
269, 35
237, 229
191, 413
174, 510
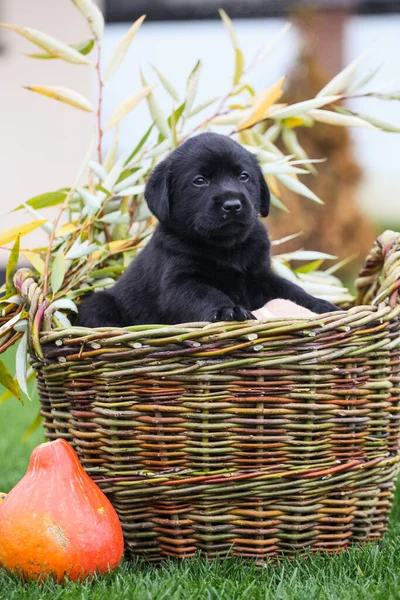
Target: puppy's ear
265, 196
156, 192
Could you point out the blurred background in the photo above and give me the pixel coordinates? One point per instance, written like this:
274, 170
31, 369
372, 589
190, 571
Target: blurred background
44, 142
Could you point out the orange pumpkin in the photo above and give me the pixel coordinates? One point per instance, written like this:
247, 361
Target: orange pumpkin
57, 521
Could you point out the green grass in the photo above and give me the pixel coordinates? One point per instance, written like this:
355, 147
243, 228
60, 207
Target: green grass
372, 572
15, 420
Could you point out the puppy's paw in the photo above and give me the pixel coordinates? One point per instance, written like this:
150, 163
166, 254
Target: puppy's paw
242, 314
323, 306
232, 313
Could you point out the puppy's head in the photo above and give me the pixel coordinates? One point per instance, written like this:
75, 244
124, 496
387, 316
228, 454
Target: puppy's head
209, 187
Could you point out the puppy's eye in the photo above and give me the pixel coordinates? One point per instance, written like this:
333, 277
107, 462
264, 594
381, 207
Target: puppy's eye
200, 181
244, 176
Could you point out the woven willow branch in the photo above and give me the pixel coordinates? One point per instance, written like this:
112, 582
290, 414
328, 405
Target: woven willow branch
379, 280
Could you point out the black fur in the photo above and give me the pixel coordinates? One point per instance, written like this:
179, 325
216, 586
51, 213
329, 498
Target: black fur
203, 262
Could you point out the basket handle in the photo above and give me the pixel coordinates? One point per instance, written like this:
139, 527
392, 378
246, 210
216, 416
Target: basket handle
34, 301
379, 279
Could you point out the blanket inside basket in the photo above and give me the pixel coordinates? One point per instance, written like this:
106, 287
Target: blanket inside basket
281, 308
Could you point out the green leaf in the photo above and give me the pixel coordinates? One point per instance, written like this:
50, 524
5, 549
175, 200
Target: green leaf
283, 270
62, 94
80, 292
239, 66
172, 123
93, 16
47, 225
273, 168
159, 149
130, 180
341, 264
245, 87
84, 48
8, 325
103, 189
36, 261
394, 95
127, 105
9, 394
58, 271
168, 86
45, 200
98, 170
78, 250
8, 381
21, 326
50, 44
115, 218
65, 304
286, 239
113, 176
202, 106
114, 270
261, 105
176, 114
21, 362
306, 255
9, 235
192, 86
92, 202
275, 201
239, 58
61, 320
140, 144
156, 112
121, 48
230, 28
112, 152
364, 79
173, 120
310, 267
299, 188
342, 79
291, 142
11, 266
294, 110
334, 118
379, 123
132, 191
272, 44
32, 427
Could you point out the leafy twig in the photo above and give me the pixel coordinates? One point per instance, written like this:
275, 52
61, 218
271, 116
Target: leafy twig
100, 102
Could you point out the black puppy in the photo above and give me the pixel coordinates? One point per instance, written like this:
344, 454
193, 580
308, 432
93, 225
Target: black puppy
209, 257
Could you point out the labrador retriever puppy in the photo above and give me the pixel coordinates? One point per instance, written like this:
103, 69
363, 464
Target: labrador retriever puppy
209, 256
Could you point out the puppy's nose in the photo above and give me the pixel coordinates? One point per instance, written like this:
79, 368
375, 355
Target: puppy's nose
232, 206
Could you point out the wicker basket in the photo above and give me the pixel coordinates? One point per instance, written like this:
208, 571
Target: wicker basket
258, 438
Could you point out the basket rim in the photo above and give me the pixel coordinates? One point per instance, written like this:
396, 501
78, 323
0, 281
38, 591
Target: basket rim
331, 320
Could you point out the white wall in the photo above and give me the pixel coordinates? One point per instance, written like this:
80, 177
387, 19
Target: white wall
378, 152
43, 142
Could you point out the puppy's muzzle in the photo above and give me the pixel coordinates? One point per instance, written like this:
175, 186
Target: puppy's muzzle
232, 207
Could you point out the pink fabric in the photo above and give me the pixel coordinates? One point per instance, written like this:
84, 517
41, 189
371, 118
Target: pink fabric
282, 308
